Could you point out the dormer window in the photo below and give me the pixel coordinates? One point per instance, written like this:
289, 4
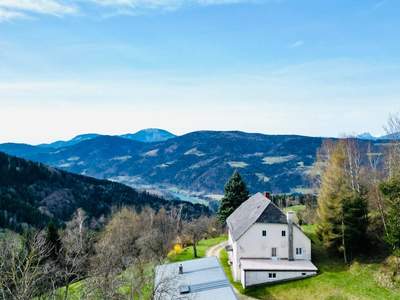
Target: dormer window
264, 233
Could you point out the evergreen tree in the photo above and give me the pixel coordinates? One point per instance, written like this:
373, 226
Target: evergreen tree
355, 221
342, 206
53, 240
235, 194
391, 190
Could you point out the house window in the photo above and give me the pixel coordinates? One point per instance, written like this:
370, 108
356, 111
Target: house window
299, 251
273, 252
283, 232
271, 275
264, 233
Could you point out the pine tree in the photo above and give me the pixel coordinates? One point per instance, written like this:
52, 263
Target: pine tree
342, 205
235, 194
391, 190
53, 240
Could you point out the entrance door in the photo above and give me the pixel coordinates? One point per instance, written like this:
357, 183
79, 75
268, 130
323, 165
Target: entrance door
273, 253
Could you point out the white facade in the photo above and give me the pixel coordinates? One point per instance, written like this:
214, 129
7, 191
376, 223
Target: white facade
253, 244
261, 253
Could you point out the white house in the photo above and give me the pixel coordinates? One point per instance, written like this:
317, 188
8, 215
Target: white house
265, 245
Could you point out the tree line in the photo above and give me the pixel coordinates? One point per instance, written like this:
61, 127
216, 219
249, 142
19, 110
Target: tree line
359, 196
33, 194
116, 262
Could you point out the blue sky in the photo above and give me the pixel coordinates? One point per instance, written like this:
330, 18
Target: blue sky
273, 66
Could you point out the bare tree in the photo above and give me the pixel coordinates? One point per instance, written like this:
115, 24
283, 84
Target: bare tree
374, 175
353, 163
116, 250
74, 254
195, 231
158, 239
393, 153
23, 266
321, 162
165, 284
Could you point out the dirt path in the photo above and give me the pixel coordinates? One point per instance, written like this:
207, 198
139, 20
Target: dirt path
214, 251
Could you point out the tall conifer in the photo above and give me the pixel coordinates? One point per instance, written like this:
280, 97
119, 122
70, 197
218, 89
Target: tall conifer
342, 206
235, 194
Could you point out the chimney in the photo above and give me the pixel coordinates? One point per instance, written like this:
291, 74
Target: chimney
290, 217
180, 269
267, 195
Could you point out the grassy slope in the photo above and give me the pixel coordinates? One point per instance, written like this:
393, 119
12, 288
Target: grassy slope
336, 281
203, 245
295, 208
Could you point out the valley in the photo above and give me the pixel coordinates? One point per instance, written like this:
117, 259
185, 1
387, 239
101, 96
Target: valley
194, 166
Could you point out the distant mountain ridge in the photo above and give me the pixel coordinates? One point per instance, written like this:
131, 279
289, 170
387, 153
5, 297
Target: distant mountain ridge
149, 135
198, 163
368, 136
32, 194
75, 140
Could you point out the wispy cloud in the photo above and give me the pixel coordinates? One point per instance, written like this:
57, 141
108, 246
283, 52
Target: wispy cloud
169, 3
12, 9
6, 15
16, 9
379, 4
296, 44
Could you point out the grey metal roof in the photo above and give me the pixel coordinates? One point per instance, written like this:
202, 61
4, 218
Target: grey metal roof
202, 279
247, 214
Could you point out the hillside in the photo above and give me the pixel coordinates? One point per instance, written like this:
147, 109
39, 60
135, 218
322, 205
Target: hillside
362, 279
33, 194
196, 162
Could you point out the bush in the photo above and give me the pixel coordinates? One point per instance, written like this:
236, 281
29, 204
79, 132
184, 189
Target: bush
389, 274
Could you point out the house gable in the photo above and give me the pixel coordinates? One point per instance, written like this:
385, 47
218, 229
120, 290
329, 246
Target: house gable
272, 214
246, 215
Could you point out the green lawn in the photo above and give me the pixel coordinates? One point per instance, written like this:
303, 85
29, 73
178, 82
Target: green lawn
203, 245
75, 291
336, 281
295, 208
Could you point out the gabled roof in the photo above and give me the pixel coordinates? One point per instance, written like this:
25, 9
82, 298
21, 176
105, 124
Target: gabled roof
247, 214
257, 209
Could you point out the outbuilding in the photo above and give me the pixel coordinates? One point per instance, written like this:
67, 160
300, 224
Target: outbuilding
200, 279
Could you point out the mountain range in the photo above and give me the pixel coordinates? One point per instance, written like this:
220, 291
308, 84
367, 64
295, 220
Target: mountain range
369, 137
148, 135
192, 166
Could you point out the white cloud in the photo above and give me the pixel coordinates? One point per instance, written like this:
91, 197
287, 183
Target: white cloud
323, 97
6, 15
297, 44
134, 5
12, 9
